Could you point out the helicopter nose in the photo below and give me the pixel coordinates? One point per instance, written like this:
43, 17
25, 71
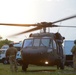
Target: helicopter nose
34, 53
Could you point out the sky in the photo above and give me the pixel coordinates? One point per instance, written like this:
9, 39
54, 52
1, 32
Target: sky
36, 11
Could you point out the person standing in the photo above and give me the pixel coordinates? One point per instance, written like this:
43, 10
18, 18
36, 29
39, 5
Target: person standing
11, 54
73, 50
59, 40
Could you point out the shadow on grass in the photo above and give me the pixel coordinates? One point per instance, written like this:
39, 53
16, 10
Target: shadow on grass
39, 70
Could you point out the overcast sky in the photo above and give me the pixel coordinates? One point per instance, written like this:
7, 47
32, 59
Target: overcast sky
36, 11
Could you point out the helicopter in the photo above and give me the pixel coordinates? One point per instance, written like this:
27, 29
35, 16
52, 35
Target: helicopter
42, 49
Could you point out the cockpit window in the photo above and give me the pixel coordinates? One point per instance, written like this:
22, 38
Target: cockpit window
45, 42
27, 42
36, 42
50, 44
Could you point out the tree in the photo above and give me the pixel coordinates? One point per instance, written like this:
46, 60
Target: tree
3, 42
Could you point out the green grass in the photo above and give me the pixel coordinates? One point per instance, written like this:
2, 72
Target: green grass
33, 70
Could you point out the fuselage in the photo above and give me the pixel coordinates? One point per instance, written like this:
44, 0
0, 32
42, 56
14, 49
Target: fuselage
34, 56
39, 51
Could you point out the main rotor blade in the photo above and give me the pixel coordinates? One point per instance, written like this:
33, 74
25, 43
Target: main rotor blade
36, 28
67, 18
24, 25
27, 25
40, 27
30, 30
59, 26
65, 26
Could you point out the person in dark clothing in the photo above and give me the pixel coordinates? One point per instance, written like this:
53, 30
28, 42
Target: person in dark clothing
59, 40
11, 54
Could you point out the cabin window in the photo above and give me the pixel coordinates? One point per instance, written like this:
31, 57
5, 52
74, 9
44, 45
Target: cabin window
27, 42
36, 42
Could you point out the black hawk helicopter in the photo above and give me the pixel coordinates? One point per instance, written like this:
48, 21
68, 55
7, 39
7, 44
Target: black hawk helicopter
43, 48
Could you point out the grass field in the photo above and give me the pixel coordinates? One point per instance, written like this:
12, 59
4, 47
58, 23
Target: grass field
36, 70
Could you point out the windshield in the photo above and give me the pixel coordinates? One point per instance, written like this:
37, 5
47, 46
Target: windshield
47, 42
5, 47
36, 42
27, 42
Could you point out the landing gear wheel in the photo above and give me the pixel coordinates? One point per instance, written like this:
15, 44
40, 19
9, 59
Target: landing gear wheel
60, 65
24, 67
